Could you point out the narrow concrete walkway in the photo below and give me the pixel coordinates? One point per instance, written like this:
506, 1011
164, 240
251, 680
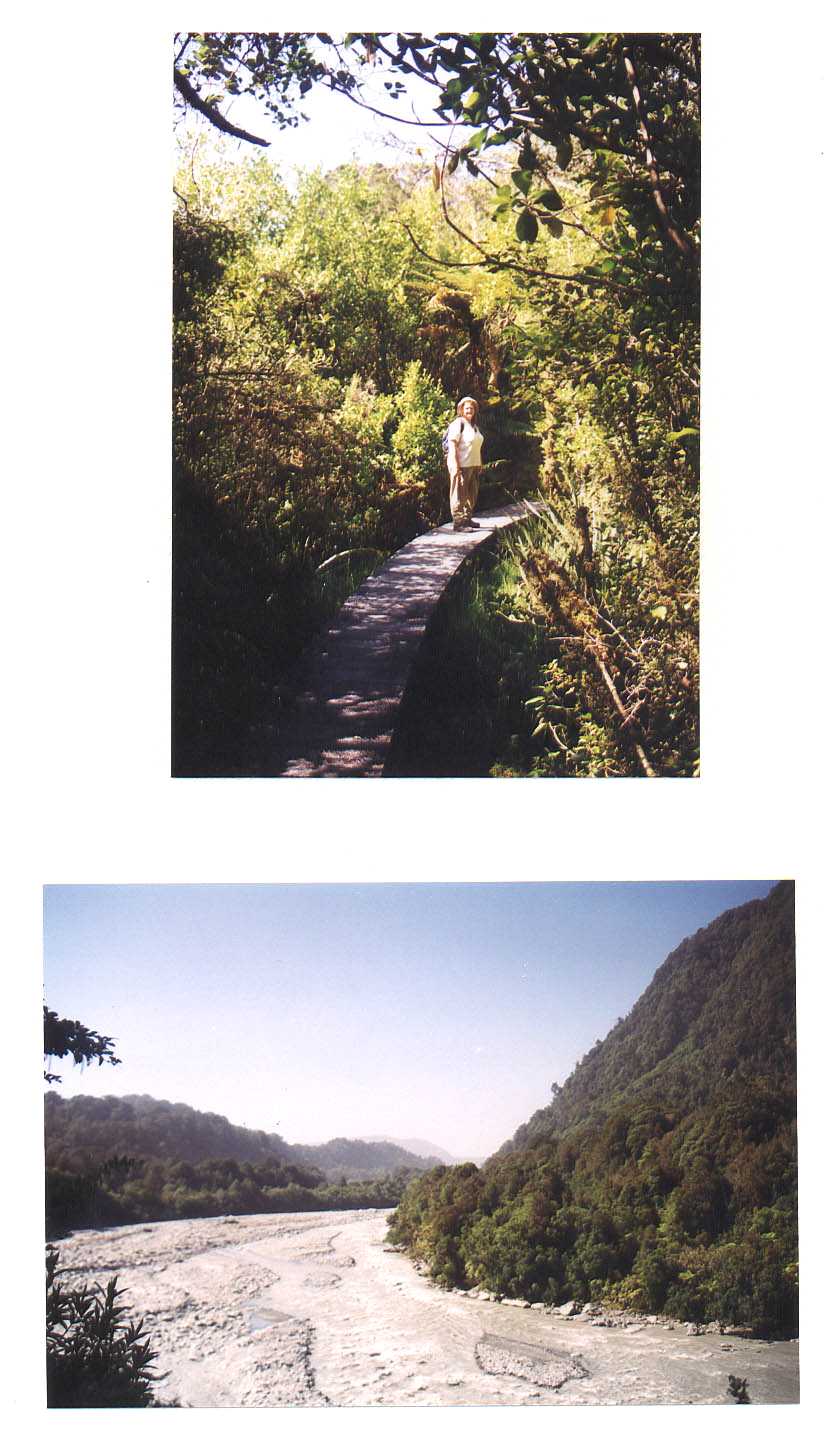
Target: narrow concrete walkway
352, 680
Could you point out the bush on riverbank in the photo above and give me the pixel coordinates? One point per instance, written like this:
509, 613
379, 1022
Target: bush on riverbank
96, 1356
152, 1190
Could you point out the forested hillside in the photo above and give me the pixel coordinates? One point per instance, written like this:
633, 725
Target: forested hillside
662, 1176
344, 1157
121, 1159
544, 261
84, 1130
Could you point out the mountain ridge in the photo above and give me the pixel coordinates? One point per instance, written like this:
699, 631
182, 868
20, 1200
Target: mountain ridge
82, 1131
697, 983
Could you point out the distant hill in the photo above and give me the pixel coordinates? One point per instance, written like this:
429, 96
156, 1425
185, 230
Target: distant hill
428, 1150
139, 1159
84, 1132
418, 1145
360, 1158
662, 1174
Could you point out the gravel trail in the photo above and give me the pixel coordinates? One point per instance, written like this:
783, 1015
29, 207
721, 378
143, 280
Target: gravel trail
313, 1309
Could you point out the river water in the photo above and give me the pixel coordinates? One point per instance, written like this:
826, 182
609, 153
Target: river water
315, 1310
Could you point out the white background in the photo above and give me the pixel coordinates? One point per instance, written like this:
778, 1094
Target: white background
87, 573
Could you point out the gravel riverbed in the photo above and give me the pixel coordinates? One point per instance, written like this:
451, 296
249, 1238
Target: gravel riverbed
314, 1310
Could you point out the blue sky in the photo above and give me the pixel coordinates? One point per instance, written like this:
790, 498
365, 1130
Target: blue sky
436, 1011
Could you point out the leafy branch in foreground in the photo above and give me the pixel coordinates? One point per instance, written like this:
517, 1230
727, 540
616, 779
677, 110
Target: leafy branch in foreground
66, 1038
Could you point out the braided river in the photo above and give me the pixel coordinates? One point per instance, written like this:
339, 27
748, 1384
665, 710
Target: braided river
315, 1310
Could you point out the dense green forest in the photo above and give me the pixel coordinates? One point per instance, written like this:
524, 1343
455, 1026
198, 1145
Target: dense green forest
545, 261
662, 1174
132, 1159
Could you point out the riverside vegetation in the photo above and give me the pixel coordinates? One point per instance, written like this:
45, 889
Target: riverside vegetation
662, 1175
547, 262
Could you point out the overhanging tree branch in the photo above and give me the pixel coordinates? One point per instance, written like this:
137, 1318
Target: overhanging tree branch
684, 243
603, 282
385, 115
502, 263
196, 102
64, 1037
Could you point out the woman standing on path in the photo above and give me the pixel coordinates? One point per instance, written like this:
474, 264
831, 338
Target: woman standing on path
464, 455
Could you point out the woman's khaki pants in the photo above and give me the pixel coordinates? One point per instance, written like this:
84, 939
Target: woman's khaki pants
463, 494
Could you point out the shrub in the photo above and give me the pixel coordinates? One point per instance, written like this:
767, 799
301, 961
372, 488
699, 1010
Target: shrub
95, 1357
417, 440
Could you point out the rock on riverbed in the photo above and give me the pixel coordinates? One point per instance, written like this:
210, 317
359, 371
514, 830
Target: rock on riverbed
312, 1309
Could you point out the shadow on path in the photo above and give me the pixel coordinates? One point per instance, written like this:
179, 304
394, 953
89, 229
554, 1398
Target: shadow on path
352, 679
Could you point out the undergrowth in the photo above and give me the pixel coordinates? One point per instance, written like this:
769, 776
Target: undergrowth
245, 607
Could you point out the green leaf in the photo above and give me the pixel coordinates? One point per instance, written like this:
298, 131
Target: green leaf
680, 435
563, 152
522, 179
527, 227
550, 200
554, 226
475, 141
472, 101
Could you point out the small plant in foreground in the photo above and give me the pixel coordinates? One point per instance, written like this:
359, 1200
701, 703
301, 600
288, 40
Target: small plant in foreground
738, 1389
95, 1358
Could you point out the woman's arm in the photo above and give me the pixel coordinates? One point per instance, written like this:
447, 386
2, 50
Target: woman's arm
454, 436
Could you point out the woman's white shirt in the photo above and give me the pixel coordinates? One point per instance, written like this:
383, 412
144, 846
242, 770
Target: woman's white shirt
467, 447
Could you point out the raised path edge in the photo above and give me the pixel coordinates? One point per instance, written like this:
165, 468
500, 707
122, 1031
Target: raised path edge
352, 679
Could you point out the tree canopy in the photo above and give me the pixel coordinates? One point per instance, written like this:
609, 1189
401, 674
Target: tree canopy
630, 100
